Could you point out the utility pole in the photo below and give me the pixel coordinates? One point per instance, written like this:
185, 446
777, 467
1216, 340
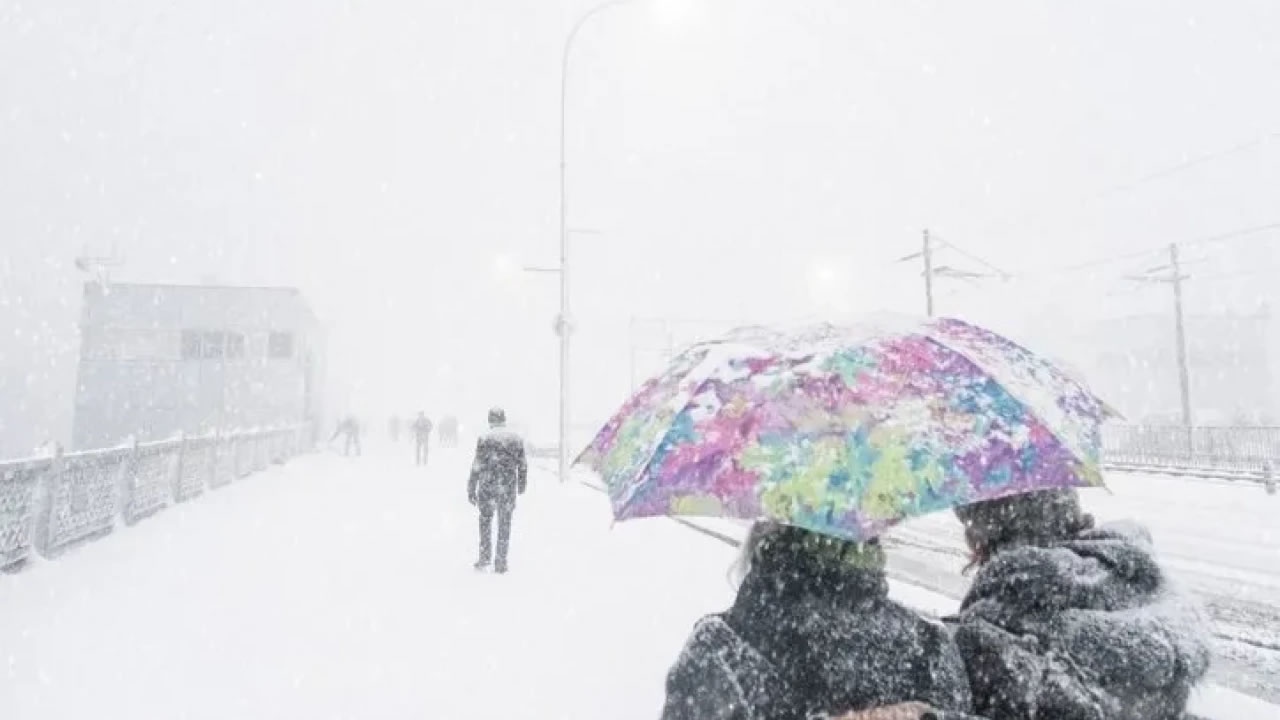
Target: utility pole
1174, 277
97, 266
564, 328
563, 323
927, 253
1184, 378
931, 245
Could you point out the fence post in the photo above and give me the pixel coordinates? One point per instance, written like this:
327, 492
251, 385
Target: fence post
46, 499
127, 484
211, 475
218, 450
175, 483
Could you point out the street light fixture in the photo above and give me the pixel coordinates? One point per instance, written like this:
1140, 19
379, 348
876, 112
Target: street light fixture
563, 325
563, 328
670, 11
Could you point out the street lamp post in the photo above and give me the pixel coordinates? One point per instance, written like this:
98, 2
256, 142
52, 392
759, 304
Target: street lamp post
563, 328
563, 323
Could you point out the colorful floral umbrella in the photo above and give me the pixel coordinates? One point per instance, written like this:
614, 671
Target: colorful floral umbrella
847, 430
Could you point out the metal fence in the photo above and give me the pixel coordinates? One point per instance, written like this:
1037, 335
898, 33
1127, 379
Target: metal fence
1228, 453
50, 504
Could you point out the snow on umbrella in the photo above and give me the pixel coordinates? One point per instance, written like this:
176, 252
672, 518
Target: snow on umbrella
847, 430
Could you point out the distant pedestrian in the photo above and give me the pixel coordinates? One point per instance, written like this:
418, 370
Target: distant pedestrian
350, 429
421, 438
449, 431
499, 474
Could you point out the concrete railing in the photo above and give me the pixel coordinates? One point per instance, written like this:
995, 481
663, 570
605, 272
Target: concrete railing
50, 504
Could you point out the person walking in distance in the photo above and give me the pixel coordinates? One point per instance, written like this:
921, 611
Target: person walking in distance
449, 431
349, 428
421, 438
499, 474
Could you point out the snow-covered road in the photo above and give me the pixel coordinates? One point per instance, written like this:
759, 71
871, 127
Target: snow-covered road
338, 588
342, 588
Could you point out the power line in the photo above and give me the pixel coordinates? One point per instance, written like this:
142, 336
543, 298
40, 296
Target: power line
1111, 259
929, 250
972, 256
1159, 174
1119, 292
1241, 273
1228, 236
1234, 234
1171, 274
1185, 165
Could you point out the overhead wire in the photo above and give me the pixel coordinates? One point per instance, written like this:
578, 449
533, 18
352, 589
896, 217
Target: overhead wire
1240, 273
972, 256
1233, 235
1188, 164
1075, 207
1229, 236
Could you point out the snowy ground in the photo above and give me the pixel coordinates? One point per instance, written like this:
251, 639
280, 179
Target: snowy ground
338, 588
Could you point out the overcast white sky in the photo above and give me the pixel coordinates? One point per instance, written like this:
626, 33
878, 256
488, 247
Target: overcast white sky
382, 155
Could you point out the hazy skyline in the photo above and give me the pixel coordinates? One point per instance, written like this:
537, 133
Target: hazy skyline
743, 160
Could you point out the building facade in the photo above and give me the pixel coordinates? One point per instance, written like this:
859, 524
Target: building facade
1132, 363
157, 360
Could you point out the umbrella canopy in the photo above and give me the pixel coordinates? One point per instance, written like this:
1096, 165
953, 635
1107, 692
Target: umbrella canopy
847, 430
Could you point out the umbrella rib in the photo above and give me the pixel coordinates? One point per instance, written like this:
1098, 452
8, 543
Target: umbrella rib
1026, 407
684, 406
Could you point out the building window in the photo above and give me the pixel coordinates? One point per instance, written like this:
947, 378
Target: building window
190, 345
280, 345
213, 345
235, 346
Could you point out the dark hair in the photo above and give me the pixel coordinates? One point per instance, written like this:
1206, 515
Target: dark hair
1038, 518
771, 541
497, 416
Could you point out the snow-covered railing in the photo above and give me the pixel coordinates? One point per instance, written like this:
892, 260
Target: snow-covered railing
1250, 454
52, 503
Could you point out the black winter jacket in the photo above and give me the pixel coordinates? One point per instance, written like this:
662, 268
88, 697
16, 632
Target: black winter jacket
1087, 629
800, 642
500, 470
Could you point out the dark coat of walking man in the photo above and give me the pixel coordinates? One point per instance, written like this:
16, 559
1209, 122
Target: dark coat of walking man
498, 475
421, 438
350, 429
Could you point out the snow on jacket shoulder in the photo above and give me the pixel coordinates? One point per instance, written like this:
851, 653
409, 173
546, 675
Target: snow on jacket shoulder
797, 643
718, 676
500, 470
1087, 629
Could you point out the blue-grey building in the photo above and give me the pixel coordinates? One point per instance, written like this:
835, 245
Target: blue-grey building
156, 360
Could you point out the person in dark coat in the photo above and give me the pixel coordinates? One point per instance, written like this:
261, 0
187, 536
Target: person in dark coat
349, 428
813, 632
449, 431
1068, 620
421, 438
499, 474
